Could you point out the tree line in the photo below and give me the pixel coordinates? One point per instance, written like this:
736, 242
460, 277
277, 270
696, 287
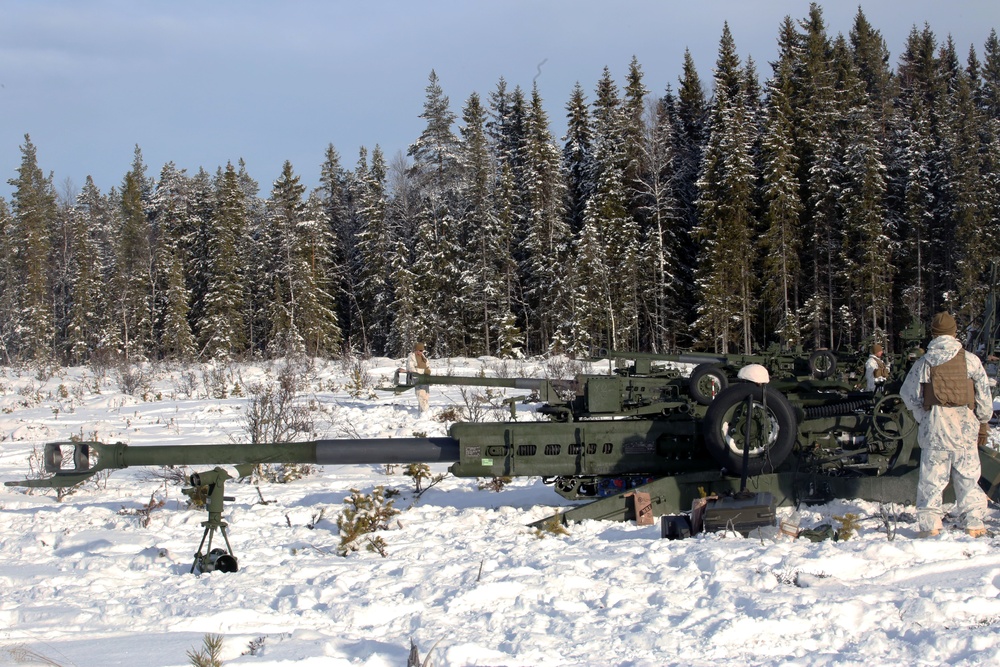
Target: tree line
827, 207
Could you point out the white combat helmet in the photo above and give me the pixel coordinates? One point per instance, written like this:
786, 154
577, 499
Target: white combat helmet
754, 373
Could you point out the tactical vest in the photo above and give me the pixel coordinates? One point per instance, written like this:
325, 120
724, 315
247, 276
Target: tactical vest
950, 385
881, 370
422, 364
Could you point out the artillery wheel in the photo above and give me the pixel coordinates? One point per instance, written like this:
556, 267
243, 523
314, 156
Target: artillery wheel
891, 418
706, 381
726, 424
822, 364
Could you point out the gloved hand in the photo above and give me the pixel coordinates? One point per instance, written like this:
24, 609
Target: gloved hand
984, 432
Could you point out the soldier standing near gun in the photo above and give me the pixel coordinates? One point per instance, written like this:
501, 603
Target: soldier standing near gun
949, 395
876, 369
417, 363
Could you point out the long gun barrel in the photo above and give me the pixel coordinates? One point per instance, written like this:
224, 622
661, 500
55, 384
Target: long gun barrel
88, 458
546, 390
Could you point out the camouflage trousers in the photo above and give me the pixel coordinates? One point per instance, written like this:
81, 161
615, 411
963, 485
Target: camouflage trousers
964, 469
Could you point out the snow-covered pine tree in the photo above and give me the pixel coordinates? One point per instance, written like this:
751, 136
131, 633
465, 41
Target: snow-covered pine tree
615, 230
133, 272
547, 237
175, 226
486, 254
726, 275
969, 204
505, 130
781, 243
917, 88
9, 281
374, 246
222, 330
437, 174
866, 262
34, 213
660, 278
176, 339
577, 158
317, 298
337, 189
254, 253
818, 152
286, 209
690, 135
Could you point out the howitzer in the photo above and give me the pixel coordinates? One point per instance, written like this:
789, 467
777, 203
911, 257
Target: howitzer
606, 436
712, 372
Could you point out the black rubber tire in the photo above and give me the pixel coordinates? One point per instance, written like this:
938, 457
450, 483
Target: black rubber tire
822, 364
725, 425
699, 375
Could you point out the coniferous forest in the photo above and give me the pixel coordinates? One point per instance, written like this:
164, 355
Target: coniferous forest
825, 203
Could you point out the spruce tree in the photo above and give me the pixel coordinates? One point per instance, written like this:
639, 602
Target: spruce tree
132, 276
337, 189
506, 129
303, 320
34, 213
375, 244
867, 256
222, 330
9, 281
286, 208
690, 134
660, 250
547, 236
726, 259
88, 315
176, 340
577, 158
607, 217
437, 173
781, 242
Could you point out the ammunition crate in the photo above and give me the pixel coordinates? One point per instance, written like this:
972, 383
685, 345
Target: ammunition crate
742, 514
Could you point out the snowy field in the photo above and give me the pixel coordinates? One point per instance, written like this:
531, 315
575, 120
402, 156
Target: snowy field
83, 583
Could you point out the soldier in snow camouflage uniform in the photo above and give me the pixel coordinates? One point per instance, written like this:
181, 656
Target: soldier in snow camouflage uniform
417, 363
949, 435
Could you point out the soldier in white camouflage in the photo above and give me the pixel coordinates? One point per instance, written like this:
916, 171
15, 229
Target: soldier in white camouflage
949, 395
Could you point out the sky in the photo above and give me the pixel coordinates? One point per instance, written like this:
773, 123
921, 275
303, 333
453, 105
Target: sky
201, 84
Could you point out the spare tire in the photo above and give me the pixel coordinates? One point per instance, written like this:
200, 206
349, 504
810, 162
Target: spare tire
773, 428
822, 364
706, 382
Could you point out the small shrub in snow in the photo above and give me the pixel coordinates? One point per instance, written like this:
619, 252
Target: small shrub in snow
274, 414
420, 473
144, 513
552, 526
495, 484
359, 382
482, 405
210, 655
849, 524
36, 470
187, 384
452, 413
216, 381
130, 378
363, 515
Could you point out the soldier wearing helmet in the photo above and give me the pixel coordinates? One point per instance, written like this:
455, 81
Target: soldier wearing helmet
876, 370
949, 395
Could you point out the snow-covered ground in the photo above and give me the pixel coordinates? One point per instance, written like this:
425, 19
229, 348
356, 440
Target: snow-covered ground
83, 583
